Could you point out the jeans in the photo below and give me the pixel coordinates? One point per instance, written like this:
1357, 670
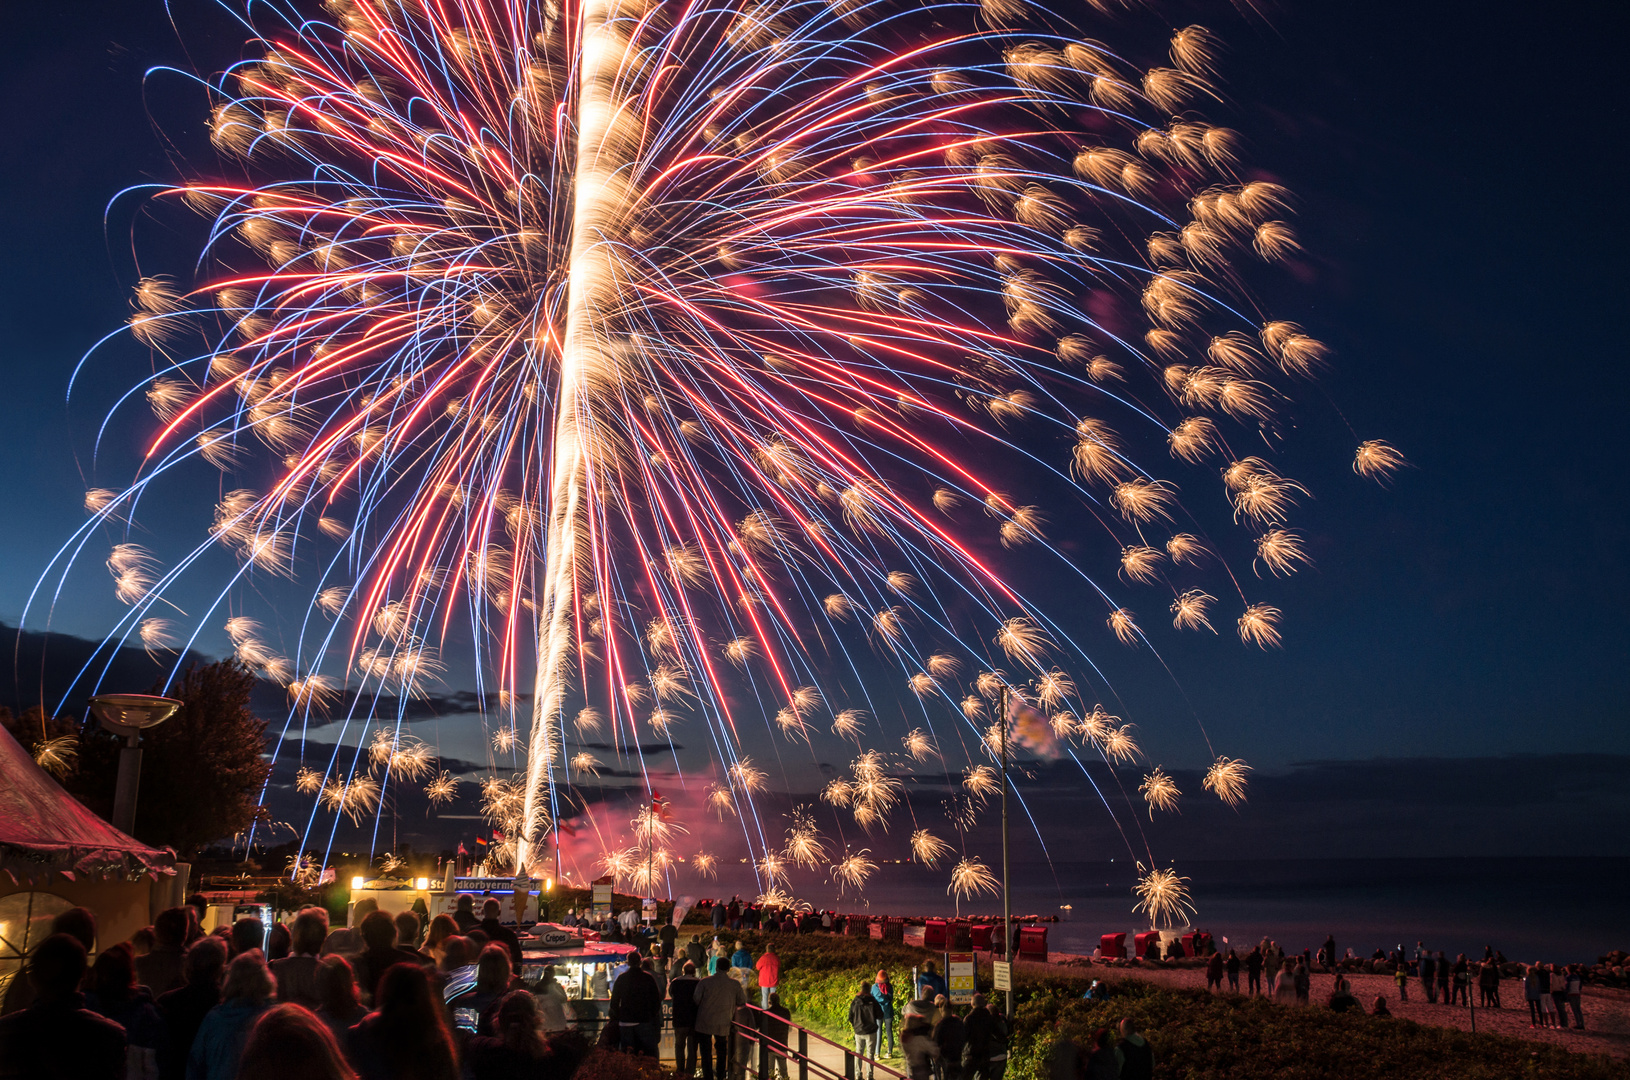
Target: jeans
1578, 1017
764, 993
1253, 982
642, 1039
715, 1055
866, 1047
885, 1031
1427, 985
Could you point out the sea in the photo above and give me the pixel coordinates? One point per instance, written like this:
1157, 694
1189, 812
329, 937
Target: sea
1560, 910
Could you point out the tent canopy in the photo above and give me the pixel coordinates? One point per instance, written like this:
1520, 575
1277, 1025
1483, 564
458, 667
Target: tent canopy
43, 829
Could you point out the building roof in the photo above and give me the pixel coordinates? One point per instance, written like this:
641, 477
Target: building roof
43, 829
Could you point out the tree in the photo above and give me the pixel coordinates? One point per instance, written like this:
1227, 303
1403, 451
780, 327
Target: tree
202, 770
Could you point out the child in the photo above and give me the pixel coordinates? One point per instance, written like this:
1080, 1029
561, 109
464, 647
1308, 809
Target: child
1401, 977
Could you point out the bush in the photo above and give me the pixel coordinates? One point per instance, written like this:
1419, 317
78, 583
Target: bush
1199, 1036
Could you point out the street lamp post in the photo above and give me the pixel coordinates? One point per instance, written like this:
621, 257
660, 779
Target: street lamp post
1007, 896
129, 715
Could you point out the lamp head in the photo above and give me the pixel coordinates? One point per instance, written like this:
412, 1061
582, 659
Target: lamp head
131, 714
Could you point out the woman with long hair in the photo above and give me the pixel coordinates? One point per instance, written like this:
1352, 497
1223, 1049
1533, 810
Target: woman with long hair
493, 979
405, 1037
288, 1041
246, 994
516, 1050
337, 1006
441, 928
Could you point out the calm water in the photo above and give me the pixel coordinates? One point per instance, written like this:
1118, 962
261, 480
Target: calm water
1560, 910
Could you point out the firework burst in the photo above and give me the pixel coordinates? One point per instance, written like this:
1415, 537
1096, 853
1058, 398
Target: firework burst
500, 315
1163, 896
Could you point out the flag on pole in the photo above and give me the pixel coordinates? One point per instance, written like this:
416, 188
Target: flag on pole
461, 849
562, 827
1031, 728
480, 841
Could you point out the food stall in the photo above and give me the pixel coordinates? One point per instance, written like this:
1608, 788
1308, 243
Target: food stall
583, 969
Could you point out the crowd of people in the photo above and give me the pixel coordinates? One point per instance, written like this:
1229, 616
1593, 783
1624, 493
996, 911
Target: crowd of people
389, 998
1552, 991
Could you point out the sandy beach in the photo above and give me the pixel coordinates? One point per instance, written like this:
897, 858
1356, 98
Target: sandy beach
1607, 1011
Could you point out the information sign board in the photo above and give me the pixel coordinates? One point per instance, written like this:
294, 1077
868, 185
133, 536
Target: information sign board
961, 977
1003, 972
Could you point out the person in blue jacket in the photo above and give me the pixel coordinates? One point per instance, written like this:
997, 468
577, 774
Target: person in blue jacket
883, 993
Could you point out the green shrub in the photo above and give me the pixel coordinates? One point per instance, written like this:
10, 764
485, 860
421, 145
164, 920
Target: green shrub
1196, 1035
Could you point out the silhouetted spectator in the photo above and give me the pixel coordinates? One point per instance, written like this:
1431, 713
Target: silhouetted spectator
379, 953
112, 992
56, 1037
296, 974
246, 993
337, 1006
406, 1036
160, 969
248, 933
1137, 1057
497, 932
185, 1007
516, 1051
289, 1043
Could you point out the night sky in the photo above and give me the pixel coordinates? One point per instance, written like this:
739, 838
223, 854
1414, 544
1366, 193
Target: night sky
1460, 177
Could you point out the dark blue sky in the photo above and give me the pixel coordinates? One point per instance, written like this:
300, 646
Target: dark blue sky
1461, 183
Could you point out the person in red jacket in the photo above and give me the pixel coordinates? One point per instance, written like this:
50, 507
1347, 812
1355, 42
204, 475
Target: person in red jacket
769, 975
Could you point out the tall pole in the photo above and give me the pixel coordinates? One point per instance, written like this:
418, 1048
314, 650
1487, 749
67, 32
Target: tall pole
1007, 896
129, 782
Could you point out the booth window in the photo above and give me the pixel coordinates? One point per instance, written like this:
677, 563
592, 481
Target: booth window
25, 921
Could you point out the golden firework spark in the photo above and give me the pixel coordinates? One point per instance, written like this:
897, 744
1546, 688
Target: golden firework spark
981, 781
748, 777
804, 845
705, 864
847, 724
1159, 791
504, 739
851, 871
773, 868
56, 756
1226, 778
308, 781
927, 848
1119, 745
585, 763
1054, 688
721, 800
919, 745
837, 792
969, 877
1121, 622
1377, 460
1259, 626
1280, 550
1163, 896
442, 789
1189, 610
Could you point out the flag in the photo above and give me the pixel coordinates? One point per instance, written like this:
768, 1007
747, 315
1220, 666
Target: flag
480, 841
327, 877
663, 808
497, 836
1031, 728
562, 827
461, 849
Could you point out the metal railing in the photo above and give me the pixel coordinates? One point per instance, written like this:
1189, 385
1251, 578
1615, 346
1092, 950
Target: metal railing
768, 1049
